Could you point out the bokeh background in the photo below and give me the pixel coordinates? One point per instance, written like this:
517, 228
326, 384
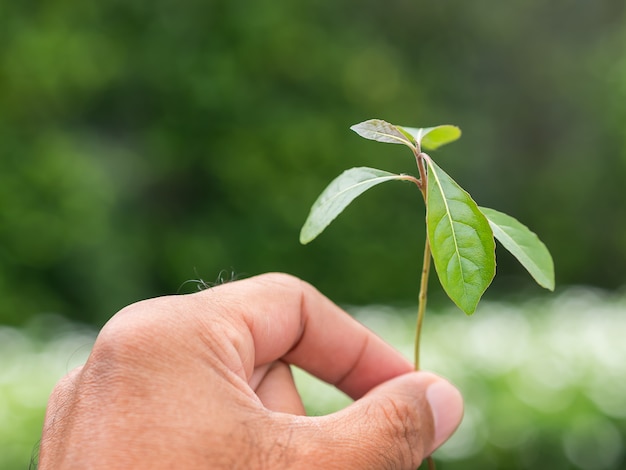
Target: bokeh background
144, 144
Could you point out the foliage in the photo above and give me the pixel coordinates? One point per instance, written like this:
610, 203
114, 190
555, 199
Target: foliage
460, 235
136, 138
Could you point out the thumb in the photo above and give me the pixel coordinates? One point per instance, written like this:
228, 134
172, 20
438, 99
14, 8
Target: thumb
397, 424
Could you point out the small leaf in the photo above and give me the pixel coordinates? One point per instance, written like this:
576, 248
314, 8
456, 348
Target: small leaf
524, 245
382, 131
431, 138
338, 195
461, 240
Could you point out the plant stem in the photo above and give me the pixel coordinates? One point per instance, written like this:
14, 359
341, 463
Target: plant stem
421, 310
423, 294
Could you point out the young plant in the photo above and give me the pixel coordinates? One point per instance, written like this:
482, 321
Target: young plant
459, 234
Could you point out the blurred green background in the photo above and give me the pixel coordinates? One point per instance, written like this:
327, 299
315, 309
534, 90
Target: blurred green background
147, 143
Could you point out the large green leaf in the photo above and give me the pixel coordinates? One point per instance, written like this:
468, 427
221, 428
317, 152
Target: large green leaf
338, 194
382, 131
461, 240
431, 138
524, 245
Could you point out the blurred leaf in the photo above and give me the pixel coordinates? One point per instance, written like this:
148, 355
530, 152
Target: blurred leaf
461, 240
431, 138
524, 245
338, 195
382, 131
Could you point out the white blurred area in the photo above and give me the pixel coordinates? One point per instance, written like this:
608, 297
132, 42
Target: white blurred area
32, 360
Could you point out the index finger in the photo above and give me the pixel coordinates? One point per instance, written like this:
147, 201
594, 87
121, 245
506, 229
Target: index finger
285, 318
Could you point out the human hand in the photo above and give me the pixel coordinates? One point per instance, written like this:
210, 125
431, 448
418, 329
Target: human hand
203, 381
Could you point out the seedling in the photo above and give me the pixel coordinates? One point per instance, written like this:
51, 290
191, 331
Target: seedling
459, 234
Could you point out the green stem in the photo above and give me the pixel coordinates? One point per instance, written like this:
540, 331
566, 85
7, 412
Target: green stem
423, 294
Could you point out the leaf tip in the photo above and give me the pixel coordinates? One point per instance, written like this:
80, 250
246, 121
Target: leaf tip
547, 284
306, 236
469, 312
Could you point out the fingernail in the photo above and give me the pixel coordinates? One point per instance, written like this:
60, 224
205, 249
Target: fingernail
446, 404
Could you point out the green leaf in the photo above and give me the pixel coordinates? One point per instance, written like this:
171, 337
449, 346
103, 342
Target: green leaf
382, 131
524, 245
431, 138
461, 240
338, 195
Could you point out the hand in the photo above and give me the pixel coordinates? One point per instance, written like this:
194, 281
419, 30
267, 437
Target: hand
203, 381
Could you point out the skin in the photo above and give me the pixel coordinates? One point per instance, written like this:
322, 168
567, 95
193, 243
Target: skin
203, 381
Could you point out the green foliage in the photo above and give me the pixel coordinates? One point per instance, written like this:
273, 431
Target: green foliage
461, 240
382, 131
338, 195
136, 138
524, 245
459, 235
431, 138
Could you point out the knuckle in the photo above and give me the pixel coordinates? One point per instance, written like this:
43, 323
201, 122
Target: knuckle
130, 333
64, 388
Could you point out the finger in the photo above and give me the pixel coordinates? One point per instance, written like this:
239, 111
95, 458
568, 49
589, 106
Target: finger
277, 390
396, 425
290, 319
